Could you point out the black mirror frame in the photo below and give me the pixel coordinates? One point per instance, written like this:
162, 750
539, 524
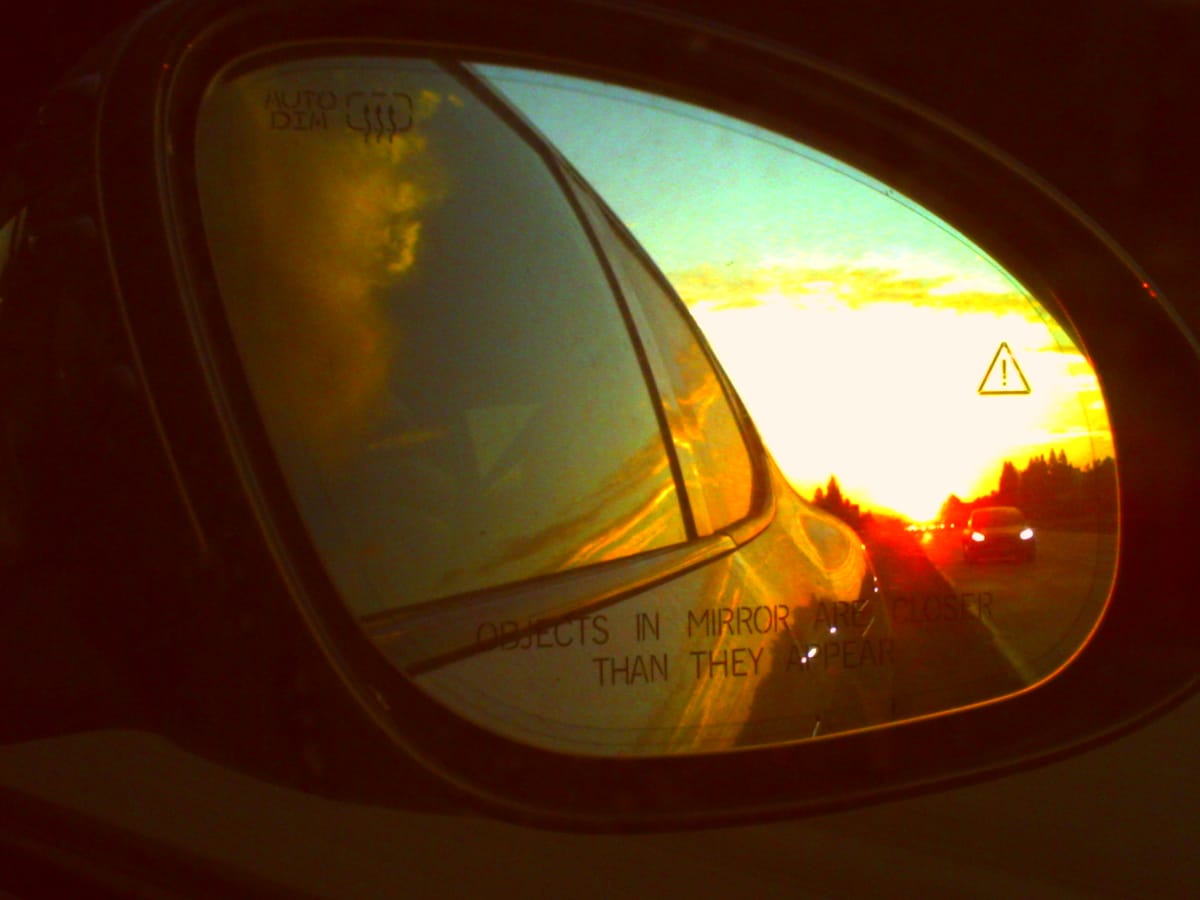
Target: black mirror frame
382, 740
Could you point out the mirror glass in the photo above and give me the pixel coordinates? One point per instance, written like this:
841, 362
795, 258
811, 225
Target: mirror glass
625, 427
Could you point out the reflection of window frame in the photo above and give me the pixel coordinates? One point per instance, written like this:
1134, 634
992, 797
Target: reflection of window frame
618, 241
568, 591
655, 488
416, 637
558, 169
571, 183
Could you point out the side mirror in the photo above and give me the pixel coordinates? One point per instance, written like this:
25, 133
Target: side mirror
532, 423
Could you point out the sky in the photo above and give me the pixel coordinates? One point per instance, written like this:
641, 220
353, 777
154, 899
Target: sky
856, 326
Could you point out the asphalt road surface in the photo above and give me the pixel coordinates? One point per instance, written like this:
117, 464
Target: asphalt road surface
1041, 612
968, 633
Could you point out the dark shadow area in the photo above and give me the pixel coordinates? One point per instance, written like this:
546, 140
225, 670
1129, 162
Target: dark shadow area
946, 656
924, 649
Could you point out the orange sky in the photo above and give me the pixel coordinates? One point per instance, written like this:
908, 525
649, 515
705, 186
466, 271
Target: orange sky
873, 376
856, 325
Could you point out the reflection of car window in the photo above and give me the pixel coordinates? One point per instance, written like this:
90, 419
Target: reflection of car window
445, 375
715, 464
998, 517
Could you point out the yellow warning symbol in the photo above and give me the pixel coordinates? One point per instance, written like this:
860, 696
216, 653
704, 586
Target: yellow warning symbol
1004, 376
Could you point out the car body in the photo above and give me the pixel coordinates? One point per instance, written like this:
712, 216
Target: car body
550, 412
998, 532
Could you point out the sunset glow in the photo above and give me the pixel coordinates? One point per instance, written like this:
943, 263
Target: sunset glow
856, 326
883, 393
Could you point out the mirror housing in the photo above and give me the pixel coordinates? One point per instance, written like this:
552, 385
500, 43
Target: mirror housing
253, 662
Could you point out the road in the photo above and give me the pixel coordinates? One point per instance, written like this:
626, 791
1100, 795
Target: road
966, 633
741, 652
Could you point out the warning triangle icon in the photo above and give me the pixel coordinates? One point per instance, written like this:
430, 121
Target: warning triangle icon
1004, 376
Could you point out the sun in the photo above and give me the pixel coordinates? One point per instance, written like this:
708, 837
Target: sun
885, 395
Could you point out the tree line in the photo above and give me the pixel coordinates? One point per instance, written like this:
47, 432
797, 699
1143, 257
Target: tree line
832, 500
1049, 490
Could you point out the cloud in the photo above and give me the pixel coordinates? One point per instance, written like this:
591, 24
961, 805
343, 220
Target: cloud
848, 286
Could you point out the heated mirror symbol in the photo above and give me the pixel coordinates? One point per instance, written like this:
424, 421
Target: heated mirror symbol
638, 429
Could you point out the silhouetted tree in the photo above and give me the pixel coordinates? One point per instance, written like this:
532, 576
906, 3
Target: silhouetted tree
1009, 491
954, 511
833, 501
833, 493
1048, 489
